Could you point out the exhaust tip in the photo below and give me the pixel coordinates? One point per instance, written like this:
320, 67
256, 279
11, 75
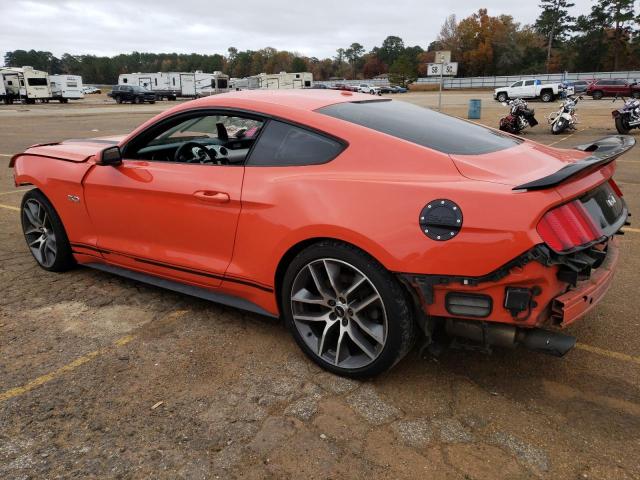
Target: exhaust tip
545, 341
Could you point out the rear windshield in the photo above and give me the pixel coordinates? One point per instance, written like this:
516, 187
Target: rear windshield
422, 126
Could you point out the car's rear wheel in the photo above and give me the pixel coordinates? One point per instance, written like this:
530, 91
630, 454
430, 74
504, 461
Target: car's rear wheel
44, 233
136, 100
597, 95
118, 100
346, 311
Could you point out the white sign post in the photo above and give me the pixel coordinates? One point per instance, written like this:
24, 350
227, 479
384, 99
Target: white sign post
440, 69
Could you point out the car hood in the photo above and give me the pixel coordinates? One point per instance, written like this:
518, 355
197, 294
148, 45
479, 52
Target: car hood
74, 150
517, 165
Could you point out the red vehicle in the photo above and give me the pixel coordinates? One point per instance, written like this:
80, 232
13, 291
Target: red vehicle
613, 88
363, 222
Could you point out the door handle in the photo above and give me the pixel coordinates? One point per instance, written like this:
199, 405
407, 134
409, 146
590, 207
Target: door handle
209, 196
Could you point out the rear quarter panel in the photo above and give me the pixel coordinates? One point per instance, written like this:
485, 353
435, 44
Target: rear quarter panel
371, 196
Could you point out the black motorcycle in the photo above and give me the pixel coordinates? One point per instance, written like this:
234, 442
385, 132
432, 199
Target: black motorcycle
520, 117
628, 116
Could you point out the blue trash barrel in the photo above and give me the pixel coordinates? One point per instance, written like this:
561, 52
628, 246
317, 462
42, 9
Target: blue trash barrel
475, 108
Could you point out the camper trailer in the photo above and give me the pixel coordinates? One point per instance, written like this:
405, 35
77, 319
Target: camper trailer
178, 84
159, 83
199, 84
247, 83
66, 87
211, 83
26, 84
284, 80
3, 92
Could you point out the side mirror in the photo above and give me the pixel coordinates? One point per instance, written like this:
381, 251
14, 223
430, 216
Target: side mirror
110, 156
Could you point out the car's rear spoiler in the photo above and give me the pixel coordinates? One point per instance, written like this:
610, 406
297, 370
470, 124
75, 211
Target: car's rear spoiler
603, 151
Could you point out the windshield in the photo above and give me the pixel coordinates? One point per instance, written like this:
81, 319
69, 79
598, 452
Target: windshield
422, 126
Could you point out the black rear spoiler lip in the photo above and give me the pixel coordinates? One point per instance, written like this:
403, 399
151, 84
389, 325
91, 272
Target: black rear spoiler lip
605, 151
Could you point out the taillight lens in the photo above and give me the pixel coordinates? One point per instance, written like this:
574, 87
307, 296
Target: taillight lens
567, 227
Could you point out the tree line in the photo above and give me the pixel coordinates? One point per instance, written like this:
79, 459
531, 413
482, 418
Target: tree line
603, 39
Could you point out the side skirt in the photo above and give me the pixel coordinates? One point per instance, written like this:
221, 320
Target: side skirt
191, 290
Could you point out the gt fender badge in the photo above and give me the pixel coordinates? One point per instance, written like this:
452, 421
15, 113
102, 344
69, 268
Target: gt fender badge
73, 198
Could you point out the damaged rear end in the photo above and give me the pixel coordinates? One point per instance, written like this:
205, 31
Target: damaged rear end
558, 280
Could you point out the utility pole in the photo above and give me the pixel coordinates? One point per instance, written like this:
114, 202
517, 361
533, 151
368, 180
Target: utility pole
440, 93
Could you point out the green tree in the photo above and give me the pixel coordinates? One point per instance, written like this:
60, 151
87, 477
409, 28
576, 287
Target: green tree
353, 55
554, 22
391, 49
403, 71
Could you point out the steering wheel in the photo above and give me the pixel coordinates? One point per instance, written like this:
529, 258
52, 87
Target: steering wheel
198, 153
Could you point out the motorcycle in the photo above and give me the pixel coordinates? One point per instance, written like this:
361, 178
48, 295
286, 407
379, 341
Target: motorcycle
565, 117
628, 116
519, 118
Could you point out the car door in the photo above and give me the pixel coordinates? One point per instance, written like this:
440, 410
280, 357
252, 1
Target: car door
529, 88
515, 90
166, 217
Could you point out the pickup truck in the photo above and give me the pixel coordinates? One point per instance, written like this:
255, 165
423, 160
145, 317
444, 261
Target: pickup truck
613, 87
546, 92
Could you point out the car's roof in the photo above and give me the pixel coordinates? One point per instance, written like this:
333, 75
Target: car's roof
303, 99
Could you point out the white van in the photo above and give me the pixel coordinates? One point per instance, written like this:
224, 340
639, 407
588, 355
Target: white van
66, 87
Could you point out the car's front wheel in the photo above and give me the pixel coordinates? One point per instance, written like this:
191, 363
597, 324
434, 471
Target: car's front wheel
44, 233
502, 97
346, 311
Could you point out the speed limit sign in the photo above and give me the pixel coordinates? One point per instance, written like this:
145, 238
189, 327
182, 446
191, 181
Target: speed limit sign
436, 69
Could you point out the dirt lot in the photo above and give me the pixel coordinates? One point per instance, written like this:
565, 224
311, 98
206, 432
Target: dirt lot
102, 377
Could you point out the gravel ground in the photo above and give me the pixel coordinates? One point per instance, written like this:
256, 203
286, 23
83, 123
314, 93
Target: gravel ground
102, 377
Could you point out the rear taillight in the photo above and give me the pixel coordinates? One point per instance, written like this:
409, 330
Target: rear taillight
567, 227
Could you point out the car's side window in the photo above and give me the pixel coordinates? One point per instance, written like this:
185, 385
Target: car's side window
529, 82
283, 144
213, 139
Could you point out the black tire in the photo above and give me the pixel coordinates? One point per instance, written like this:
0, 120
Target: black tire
152, 102
63, 257
597, 95
502, 97
546, 96
621, 125
401, 327
559, 127
118, 99
136, 100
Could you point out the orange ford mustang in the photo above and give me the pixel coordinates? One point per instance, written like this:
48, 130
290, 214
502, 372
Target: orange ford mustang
363, 222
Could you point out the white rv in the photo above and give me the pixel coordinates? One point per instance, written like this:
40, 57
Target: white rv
26, 84
159, 83
247, 83
66, 87
178, 84
3, 91
284, 80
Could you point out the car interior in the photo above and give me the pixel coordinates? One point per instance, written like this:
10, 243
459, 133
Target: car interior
206, 139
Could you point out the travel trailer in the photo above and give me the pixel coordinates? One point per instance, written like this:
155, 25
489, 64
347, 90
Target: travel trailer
178, 84
247, 83
158, 83
3, 92
284, 80
25, 84
66, 87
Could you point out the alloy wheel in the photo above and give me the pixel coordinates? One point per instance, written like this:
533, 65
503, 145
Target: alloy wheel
339, 313
39, 233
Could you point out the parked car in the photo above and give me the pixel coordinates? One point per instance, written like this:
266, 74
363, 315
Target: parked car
392, 89
88, 90
319, 86
131, 93
578, 86
368, 88
286, 203
546, 92
612, 88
